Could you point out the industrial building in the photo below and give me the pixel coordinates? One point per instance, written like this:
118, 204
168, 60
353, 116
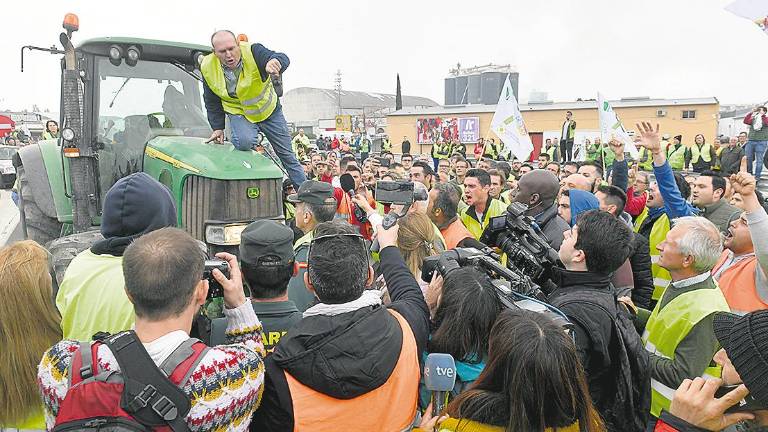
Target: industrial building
686, 117
478, 84
317, 108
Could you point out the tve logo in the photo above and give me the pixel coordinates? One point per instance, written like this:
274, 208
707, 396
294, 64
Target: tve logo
439, 372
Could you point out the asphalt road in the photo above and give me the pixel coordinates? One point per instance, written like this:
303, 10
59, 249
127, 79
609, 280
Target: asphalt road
10, 229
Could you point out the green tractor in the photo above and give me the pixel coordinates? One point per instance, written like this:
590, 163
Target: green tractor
131, 105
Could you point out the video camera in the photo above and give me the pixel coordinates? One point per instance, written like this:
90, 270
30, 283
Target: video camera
516, 290
525, 246
214, 287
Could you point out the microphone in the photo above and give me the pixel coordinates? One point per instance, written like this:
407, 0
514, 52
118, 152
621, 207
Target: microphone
347, 183
439, 378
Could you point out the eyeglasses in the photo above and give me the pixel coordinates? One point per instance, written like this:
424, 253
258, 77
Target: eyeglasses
329, 236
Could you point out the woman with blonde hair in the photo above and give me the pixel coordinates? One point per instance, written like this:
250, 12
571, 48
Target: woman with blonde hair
416, 240
29, 325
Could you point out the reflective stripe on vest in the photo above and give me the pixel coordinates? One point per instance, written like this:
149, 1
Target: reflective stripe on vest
705, 152
677, 158
390, 407
661, 276
738, 285
667, 327
256, 99
497, 208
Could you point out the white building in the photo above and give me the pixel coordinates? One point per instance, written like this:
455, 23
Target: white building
308, 107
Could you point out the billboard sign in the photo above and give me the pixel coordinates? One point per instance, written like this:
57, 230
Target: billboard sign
434, 129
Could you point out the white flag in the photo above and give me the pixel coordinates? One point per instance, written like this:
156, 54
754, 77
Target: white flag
753, 10
611, 127
508, 125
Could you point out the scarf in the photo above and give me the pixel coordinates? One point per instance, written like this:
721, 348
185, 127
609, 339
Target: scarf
369, 298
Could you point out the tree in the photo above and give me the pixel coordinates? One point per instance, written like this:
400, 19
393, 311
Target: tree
398, 95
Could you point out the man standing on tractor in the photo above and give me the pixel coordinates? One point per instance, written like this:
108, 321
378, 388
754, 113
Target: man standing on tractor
237, 81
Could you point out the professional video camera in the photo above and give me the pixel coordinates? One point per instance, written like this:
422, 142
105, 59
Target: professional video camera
525, 246
516, 290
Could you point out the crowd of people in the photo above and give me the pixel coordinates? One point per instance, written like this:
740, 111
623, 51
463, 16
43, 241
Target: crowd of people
661, 274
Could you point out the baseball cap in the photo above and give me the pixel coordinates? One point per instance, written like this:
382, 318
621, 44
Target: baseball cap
312, 192
665, 136
266, 238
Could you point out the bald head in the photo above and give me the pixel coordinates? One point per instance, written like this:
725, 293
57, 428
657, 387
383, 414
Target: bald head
537, 189
226, 48
577, 181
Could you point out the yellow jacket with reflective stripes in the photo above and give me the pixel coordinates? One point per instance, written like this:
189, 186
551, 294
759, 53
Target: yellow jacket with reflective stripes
667, 327
468, 217
661, 227
256, 99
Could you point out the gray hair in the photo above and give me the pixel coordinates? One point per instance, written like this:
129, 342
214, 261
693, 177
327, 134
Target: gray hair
702, 240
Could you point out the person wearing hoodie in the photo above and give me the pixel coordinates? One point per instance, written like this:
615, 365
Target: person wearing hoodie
574, 202
92, 296
350, 363
537, 190
463, 307
585, 295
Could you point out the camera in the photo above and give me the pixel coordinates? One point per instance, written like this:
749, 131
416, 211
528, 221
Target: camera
525, 246
214, 287
516, 290
394, 192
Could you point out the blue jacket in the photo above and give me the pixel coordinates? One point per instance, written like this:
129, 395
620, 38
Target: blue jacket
674, 204
213, 106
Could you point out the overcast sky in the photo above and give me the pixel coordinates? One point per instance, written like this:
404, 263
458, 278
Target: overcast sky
570, 49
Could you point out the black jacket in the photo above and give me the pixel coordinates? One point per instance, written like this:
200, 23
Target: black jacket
262, 55
606, 349
640, 260
552, 226
347, 355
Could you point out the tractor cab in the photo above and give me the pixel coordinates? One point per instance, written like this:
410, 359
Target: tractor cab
136, 105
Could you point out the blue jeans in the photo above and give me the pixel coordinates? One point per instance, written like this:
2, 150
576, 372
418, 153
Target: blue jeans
755, 150
245, 133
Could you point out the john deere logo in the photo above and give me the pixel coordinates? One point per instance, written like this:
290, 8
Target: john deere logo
253, 192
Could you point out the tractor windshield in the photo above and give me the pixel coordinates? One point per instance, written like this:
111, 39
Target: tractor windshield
147, 100
141, 102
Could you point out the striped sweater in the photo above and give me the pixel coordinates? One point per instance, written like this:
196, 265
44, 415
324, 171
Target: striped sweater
224, 389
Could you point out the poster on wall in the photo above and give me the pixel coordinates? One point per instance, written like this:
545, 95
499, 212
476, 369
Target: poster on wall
469, 129
430, 130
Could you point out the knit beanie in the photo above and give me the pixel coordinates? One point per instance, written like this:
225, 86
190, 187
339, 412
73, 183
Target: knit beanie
745, 339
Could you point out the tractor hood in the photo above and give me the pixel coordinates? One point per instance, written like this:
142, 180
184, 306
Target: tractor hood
211, 160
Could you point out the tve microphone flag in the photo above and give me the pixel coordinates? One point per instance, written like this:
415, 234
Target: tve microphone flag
439, 378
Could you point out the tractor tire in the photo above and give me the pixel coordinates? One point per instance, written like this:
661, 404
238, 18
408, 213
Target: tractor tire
64, 249
35, 224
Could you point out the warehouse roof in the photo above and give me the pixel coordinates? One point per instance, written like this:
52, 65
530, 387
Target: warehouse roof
551, 106
358, 99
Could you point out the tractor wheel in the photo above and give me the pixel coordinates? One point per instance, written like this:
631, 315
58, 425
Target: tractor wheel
35, 224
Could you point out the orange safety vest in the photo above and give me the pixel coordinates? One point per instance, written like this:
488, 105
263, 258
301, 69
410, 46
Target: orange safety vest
738, 285
454, 233
390, 407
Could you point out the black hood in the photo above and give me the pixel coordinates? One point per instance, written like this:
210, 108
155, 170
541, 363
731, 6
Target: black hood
134, 206
342, 356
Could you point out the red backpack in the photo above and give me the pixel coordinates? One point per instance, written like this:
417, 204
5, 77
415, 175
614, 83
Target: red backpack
139, 397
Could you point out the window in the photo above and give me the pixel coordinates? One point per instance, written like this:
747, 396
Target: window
689, 114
